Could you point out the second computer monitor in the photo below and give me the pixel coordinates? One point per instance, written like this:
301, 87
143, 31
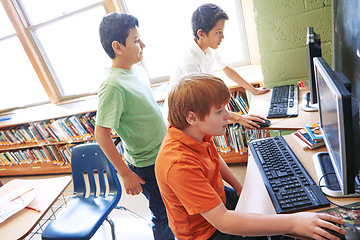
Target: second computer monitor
313, 44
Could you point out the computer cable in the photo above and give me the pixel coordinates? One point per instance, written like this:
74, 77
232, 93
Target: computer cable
341, 206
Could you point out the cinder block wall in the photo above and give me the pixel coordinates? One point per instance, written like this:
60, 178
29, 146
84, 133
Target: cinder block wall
281, 30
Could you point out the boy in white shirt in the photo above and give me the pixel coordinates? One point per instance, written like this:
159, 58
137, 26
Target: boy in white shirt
208, 22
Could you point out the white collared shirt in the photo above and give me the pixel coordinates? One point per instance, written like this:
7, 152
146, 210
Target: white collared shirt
194, 60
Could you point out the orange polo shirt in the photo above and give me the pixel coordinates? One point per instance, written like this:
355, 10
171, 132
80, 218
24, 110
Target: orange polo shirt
188, 175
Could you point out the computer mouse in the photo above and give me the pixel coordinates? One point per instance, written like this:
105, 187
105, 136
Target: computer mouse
352, 233
267, 123
339, 235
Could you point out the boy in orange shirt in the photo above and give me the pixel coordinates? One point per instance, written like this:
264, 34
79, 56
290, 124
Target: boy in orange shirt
190, 173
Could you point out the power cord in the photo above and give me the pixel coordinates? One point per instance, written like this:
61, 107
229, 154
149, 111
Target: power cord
341, 206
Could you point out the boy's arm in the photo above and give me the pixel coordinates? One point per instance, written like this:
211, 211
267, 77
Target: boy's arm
233, 75
305, 225
132, 182
229, 177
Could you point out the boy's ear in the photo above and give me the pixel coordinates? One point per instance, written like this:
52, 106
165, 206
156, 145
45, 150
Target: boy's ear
117, 47
200, 33
191, 118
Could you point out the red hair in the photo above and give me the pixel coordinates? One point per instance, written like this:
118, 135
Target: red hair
197, 93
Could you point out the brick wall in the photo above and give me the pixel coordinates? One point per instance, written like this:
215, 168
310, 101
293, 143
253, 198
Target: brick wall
281, 29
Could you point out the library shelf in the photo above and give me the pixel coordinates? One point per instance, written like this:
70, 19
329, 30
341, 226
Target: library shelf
233, 157
34, 169
34, 156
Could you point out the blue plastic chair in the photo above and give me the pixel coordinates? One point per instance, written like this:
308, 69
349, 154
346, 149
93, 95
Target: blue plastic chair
92, 202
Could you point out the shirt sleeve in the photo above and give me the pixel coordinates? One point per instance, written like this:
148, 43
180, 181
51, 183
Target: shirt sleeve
110, 107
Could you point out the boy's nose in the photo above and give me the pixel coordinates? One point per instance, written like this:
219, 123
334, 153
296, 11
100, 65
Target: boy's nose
227, 115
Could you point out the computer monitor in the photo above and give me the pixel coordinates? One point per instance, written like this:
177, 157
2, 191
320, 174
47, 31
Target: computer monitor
344, 79
339, 124
313, 45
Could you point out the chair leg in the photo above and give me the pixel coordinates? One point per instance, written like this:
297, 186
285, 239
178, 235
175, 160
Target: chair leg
112, 227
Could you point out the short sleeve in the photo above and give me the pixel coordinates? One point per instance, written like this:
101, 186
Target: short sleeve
110, 107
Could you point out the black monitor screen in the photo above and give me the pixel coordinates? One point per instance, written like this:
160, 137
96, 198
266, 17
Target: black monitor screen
313, 44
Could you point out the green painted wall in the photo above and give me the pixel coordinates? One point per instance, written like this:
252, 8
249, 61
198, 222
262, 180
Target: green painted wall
281, 30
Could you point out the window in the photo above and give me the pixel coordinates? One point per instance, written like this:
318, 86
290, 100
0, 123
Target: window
67, 36
55, 53
18, 79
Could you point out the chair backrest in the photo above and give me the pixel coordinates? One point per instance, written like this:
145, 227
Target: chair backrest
89, 161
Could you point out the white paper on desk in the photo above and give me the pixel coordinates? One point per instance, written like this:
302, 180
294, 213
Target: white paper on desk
16, 200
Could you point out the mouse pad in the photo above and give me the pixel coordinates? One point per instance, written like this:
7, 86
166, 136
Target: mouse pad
350, 216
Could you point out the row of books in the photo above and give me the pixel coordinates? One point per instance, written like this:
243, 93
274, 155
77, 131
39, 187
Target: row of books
57, 154
310, 136
238, 103
66, 129
236, 138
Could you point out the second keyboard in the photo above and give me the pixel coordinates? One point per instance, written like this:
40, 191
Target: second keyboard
284, 102
289, 185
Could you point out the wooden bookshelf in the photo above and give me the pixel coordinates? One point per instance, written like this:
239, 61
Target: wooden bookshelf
24, 117
233, 157
33, 169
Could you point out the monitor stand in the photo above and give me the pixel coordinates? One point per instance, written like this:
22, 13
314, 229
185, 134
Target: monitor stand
307, 106
330, 185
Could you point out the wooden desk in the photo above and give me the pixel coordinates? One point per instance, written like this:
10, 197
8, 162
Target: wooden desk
260, 105
254, 197
47, 191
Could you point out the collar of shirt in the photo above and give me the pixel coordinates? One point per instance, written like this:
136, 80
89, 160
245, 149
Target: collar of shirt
189, 141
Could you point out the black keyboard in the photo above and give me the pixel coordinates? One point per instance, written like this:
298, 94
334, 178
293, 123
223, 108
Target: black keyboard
284, 102
289, 185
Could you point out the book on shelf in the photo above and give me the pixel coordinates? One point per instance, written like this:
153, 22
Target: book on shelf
54, 154
238, 104
221, 144
60, 132
236, 138
314, 131
234, 107
304, 136
79, 127
35, 132
239, 96
66, 128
